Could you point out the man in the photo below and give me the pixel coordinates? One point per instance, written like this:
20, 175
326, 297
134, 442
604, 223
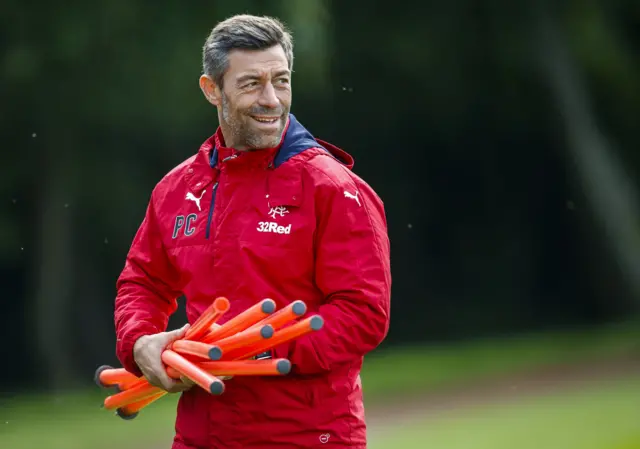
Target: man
263, 210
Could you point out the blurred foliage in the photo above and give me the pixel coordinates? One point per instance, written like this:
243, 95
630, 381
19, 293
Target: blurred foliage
445, 106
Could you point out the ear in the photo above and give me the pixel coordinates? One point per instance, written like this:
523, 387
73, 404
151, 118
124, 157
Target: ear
210, 90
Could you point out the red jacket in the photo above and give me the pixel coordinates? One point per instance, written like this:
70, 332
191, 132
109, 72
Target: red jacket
208, 232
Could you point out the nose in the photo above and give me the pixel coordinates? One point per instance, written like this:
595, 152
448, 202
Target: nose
268, 97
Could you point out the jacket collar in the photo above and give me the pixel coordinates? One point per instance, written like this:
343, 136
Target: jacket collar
295, 138
221, 154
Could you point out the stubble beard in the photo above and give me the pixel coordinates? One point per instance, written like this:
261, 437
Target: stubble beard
243, 135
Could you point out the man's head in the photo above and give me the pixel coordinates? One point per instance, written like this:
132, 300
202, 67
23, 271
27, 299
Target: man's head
247, 63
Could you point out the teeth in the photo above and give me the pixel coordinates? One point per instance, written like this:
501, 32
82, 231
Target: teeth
268, 120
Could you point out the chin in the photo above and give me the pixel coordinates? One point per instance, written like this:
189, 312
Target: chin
270, 143
263, 140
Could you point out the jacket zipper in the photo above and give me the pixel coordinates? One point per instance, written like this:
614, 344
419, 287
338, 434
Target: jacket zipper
211, 207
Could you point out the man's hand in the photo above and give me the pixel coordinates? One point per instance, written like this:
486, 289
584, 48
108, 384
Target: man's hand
147, 352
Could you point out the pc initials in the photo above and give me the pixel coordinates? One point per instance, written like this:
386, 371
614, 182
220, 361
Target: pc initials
186, 224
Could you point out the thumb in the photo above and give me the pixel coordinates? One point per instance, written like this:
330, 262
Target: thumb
177, 333
182, 331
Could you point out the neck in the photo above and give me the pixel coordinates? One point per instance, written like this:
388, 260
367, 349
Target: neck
229, 140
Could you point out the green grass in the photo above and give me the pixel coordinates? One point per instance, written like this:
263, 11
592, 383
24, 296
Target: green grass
399, 372
602, 417
77, 421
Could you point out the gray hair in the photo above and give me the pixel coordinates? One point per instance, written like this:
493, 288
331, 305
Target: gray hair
246, 32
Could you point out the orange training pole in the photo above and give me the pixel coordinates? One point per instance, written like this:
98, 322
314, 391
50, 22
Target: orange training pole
194, 348
201, 326
128, 383
245, 338
188, 369
275, 367
289, 313
303, 327
131, 411
242, 321
135, 393
107, 376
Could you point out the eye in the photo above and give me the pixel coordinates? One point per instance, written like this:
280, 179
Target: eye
282, 81
250, 84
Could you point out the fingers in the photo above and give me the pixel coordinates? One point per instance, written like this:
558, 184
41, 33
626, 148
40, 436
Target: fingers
167, 382
186, 380
179, 387
151, 378
148, 355
169, 385
182, 331
153, 371
144, 355
174, 335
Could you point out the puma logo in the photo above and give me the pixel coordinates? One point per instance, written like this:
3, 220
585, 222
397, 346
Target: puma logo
190, 196
353, 197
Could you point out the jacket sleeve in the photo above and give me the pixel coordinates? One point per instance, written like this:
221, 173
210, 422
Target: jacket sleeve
146, 291
353, 273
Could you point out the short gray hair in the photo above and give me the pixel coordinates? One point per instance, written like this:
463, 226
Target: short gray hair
246, 32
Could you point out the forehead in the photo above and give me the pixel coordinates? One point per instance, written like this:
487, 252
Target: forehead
256, 61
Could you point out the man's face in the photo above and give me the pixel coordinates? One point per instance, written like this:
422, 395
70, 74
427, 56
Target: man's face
256, 98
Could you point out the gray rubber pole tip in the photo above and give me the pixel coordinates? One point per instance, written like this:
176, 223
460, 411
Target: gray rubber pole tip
215, 353
124, 416
96, 376
217, 388
299, 308
316, 323
268, 306
266, 331
283, 366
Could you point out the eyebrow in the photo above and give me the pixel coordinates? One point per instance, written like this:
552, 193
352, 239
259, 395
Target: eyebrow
255, 76
281, 73
248, 77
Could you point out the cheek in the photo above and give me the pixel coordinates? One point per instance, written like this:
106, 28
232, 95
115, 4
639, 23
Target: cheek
243, 108
239, 104
285, 97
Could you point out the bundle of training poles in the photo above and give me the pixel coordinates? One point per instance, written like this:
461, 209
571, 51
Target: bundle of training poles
209, 351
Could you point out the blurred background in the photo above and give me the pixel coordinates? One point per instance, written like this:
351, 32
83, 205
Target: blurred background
501, 135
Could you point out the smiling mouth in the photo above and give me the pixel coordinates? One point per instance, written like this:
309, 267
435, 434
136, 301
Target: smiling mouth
265, 119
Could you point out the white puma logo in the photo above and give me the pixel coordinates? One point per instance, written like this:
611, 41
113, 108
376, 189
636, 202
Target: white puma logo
190, 196
353, 197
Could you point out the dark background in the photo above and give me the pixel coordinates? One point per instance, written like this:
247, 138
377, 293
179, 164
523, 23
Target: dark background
501, 135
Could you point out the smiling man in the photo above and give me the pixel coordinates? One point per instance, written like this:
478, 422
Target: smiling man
262, 210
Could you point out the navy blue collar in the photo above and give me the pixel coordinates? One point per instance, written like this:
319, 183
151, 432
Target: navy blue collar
296, 140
